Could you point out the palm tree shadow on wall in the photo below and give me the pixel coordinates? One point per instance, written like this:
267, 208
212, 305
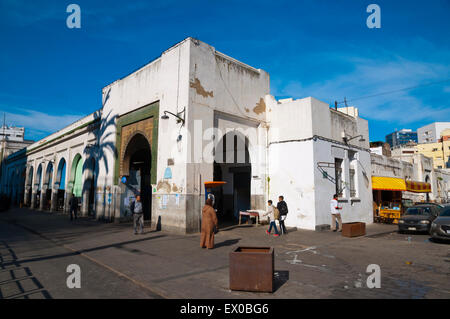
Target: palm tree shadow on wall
97, 154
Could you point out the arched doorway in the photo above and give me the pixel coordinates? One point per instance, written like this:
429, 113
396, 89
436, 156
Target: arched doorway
232, 165
22, 179
89, 185
48, 182
60, 185
29, 187
76, 178
38, 186
136, 167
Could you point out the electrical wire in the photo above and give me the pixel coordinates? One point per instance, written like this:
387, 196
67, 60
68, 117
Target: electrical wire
394, 91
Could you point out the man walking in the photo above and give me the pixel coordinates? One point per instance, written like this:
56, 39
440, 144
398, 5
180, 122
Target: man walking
335, 214
272, 211
73, 204
282, 207
138, 215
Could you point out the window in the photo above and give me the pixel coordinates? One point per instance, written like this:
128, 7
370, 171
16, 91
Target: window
352, 183
338, 176
353, 173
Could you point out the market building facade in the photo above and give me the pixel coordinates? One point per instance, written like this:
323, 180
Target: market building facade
192, 116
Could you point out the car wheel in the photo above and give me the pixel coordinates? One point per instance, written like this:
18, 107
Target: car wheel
401, 231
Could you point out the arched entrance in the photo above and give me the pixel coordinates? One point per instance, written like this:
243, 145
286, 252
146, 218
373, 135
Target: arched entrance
29, 187
76, 178
38, 186
232, 165
136, 166
60, 185
48, 183
89, 185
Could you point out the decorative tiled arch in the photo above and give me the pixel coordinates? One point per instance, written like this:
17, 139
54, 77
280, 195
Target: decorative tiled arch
150, 111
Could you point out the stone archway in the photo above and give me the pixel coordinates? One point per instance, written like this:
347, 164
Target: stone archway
29, 186
37, 187
47, 185
60, 186
135, 166
88, 190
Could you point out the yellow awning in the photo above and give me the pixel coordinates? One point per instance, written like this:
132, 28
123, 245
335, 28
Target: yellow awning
418, 187
388, 183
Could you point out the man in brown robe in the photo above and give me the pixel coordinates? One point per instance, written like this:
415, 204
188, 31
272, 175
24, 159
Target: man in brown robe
209, 222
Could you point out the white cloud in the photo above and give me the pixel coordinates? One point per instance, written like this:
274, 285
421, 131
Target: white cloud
40, 124
375, 76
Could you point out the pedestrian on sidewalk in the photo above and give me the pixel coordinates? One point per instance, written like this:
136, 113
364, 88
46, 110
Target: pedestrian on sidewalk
73, 204
138, 215
273, 214
209, 225
335, 214
282, 207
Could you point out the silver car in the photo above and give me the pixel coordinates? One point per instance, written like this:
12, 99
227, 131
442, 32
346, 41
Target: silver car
440, 227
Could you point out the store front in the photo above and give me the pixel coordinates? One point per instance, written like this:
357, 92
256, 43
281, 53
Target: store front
392, 198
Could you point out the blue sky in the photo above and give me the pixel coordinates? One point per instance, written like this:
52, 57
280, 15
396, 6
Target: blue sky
51, 75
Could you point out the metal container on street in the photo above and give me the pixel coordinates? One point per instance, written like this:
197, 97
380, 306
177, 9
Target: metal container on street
252, 269
353, 229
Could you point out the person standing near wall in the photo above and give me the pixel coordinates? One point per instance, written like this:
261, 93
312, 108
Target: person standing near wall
335, 214
209, 225
282, 207
138, 215
73, 203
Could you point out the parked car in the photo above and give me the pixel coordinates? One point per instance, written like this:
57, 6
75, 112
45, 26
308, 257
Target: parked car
440, 227
429, 203
418, 218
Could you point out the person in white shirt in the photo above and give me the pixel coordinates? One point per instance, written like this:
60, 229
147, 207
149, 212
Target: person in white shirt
271, 211
335, 214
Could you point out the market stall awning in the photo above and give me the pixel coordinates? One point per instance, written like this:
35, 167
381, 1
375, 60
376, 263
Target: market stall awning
214, 184
418, 187
388, 183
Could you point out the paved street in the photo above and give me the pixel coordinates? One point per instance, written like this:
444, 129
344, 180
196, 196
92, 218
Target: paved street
36, 247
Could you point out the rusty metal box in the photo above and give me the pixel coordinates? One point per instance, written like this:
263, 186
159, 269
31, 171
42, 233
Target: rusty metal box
252, 269
353, 229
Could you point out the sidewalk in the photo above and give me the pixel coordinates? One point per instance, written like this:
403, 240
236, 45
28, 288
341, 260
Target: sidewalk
308, 264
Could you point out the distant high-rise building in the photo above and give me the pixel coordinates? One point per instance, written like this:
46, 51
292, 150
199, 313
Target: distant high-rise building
431, 133
401, 137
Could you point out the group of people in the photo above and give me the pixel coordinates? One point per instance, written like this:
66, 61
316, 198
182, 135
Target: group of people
274, 213
277, 213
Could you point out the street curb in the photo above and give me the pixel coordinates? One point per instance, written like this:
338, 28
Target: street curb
157, 292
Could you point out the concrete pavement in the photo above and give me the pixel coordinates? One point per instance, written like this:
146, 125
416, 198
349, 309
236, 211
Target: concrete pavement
308, 264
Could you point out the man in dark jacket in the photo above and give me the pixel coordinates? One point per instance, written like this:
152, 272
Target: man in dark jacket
282, 207
73, 203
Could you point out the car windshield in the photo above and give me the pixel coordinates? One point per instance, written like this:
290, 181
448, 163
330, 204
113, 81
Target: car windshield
419, 211
445, 212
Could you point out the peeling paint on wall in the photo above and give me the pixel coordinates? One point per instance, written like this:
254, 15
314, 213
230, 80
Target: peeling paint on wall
260, 106
200, 89
164, 185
